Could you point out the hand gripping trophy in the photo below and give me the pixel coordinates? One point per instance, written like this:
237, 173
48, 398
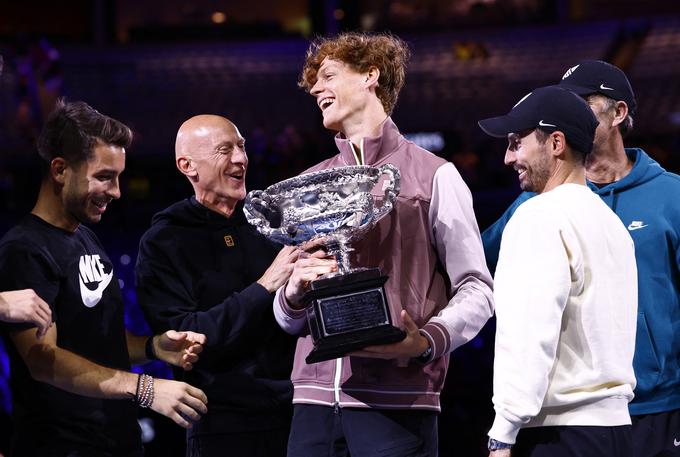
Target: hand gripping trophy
346, 310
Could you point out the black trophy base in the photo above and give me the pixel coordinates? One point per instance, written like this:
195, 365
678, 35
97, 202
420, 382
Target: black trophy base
347, 313
333, 347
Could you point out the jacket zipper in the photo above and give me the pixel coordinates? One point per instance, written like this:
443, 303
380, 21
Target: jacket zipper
336, 384
358, 157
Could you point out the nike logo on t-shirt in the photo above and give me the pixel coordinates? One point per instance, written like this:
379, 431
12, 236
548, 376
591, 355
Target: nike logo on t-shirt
92, 271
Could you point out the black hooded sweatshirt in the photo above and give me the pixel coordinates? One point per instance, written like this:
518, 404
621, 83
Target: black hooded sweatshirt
197, 270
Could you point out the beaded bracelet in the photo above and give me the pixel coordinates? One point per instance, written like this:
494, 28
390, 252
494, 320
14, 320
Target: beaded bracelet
144, 395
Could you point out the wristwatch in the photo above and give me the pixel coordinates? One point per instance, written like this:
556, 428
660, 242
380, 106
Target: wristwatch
425, 356
495, 445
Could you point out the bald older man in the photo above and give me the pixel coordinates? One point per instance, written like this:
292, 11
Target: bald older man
202, 267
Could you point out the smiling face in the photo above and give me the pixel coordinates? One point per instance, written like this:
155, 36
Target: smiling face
89, 186
530, 159
341, 93
216, 155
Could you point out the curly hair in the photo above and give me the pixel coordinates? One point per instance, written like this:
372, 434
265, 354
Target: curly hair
72, 130
361, 51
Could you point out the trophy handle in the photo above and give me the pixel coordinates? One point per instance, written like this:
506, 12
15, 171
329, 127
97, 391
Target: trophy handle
254, 200
391, 189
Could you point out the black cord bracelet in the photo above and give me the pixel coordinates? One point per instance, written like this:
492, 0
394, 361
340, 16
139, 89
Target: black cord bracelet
148, 349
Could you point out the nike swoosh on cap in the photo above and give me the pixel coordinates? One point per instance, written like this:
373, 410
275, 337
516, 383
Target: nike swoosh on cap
603, 87
543, 124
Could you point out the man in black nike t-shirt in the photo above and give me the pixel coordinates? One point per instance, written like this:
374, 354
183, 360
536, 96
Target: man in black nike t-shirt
73, 392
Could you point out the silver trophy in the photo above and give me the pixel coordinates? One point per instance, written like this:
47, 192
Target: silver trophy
346, 310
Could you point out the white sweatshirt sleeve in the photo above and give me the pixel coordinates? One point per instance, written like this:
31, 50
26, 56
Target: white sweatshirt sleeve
532, 285
456, 238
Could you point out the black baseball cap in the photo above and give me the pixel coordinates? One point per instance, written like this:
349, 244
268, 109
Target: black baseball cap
550, 109
598, 77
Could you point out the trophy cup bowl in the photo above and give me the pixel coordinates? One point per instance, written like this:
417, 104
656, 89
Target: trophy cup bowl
346, 310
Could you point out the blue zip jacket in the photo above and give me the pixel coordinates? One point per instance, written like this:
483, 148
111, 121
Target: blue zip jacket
647, 201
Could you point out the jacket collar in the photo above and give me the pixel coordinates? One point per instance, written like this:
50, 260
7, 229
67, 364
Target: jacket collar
375, 149
644, 169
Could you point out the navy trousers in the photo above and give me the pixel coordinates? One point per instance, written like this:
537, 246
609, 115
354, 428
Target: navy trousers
657, 435
262, 443
574, 441
322, 431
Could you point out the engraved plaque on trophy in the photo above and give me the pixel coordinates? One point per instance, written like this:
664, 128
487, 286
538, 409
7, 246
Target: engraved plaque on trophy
346, 310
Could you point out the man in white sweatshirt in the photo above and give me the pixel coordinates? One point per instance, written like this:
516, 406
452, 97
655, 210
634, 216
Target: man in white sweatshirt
565, 291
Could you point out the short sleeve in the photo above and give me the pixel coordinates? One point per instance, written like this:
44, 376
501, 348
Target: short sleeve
27, 267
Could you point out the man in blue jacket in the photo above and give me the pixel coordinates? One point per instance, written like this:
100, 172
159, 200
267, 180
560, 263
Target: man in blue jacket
645, 197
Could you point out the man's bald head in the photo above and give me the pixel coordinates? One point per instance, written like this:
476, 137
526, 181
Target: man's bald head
210, 152
195, 132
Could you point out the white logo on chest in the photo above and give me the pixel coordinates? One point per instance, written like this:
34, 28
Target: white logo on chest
636, 225
92, 272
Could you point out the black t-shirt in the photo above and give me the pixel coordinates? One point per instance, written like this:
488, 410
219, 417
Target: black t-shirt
73, 274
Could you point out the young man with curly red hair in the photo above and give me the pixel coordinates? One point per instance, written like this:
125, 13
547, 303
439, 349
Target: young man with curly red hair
384, 400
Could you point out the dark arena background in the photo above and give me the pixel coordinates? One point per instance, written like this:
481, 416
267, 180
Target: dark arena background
153, 64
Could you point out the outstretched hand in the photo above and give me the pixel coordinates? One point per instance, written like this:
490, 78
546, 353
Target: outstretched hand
412, 346
179, 401
180, 349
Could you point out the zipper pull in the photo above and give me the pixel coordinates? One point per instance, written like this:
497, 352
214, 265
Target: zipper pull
336, 407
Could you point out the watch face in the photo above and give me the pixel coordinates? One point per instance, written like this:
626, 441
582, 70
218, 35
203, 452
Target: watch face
495, 445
